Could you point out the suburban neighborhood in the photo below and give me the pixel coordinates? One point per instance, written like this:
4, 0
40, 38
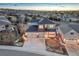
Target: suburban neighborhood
48, 33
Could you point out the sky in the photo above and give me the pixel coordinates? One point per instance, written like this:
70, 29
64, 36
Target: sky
41, 6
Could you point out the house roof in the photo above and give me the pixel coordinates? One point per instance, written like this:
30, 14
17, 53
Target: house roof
75, 27
4, 31
46, 21
35, 20
68, 27
65, 28
4, 21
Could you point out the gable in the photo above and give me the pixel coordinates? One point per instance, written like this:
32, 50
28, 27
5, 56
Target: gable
65, 28
46, 21
75, 27
71, 35
72, 32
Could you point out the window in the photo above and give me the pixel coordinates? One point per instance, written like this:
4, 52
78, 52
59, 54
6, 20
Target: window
49, 26
37, 35
40, 26
72, 33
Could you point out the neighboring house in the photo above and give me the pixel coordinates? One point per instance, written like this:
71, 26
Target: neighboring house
8, 32
8, 37
13, 19
69, 32
73, 19
22, 18
4, 21
33, 22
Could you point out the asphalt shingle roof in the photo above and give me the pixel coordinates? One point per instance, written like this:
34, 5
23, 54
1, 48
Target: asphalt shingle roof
75, 27
65, 28
35, 20
4, 21
46, 21
68, 27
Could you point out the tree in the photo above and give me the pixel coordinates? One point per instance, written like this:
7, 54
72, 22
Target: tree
17, 22
51, 18
22, 28
70, 20
26, 20
54, 18
58, 19
9, 18
33, 17
6, 26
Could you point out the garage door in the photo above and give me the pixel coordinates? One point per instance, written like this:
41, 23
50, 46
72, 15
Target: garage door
71, 41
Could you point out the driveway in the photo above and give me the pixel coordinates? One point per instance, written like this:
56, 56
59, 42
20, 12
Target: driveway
37, 49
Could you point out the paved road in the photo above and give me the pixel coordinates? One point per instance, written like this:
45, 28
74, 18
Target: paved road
4, 52
72, 49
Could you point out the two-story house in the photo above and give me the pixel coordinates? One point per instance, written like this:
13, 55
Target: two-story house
40, 29
8, 32
44, 31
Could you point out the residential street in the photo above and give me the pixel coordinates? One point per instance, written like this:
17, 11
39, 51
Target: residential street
5, 52
28, 47
72, 49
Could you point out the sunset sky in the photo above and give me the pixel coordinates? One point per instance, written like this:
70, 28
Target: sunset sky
41, 6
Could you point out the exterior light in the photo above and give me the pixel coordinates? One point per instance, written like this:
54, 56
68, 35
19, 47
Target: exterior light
37, 35
24, 36
65, 40
46, 36
78, 42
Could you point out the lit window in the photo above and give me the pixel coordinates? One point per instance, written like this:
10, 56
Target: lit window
49, 26
40, 26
